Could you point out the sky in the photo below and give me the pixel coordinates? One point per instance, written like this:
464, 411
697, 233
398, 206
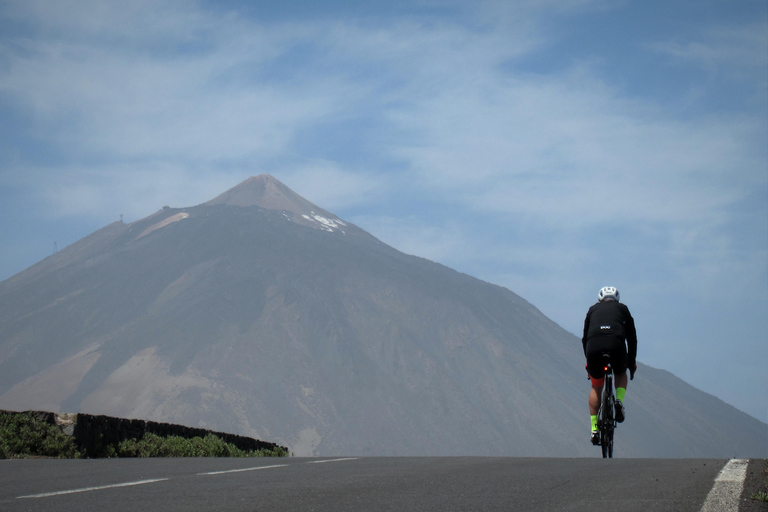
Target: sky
548, 146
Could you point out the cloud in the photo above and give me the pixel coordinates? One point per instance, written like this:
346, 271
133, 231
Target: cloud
130, 104
139, 24
740, 48
569, 145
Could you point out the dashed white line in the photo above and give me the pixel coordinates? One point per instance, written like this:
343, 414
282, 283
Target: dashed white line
142, 482
242, 469
89, 489
330, 460
725, 494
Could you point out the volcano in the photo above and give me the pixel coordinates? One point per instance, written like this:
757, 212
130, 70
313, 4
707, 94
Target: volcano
261, 314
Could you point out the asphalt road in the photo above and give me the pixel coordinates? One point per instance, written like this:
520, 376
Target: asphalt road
361, 484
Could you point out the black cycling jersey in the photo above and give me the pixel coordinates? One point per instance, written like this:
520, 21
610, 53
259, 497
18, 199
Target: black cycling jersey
611, 318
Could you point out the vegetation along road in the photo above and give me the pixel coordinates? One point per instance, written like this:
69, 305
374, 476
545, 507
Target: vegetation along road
359, 484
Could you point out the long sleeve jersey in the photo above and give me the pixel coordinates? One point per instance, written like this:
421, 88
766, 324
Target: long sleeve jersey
611, 318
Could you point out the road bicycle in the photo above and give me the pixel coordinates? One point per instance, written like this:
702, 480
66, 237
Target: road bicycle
606, 421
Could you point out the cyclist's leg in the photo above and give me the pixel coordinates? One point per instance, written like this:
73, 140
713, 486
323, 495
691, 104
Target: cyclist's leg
595, 370
596, 374
621, 383
594, 395
619, 364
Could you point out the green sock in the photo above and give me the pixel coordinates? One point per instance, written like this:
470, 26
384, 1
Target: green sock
593, 417
620, 393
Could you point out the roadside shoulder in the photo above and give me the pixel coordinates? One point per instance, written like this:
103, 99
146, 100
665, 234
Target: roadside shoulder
756, 481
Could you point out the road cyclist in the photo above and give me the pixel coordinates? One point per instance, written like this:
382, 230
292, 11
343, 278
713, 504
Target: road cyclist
608, 329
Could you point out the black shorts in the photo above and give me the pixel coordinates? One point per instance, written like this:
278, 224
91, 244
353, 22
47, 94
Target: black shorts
597, 346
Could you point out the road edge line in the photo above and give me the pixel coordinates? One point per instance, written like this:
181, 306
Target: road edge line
726, 491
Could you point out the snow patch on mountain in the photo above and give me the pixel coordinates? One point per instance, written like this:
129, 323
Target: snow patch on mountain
325, 223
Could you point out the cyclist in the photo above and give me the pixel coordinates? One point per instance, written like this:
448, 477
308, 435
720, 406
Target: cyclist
607, 326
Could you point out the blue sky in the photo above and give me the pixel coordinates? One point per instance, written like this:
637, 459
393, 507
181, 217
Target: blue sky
551, 147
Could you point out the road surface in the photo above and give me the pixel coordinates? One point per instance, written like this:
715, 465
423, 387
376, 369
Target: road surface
357, 484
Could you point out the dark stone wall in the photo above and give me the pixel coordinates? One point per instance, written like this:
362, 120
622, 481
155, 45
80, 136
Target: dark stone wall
93, 434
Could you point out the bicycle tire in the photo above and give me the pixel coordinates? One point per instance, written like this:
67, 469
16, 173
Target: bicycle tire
604, 432
611, 424
606, 419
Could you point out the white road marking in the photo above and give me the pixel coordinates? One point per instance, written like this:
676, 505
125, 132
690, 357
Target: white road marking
241, 470
142, 482
726, 492
329, 460
89, 489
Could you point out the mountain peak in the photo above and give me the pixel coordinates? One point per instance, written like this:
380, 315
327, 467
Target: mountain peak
266, 192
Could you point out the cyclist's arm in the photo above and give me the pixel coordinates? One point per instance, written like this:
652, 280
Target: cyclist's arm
584, 337
631, 334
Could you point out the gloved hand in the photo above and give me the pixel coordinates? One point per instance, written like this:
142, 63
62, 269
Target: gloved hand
632, 370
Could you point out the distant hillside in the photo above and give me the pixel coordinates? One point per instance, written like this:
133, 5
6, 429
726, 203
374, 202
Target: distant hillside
261, 314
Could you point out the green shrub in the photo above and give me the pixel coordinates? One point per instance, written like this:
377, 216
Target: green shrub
23, 436
151, 445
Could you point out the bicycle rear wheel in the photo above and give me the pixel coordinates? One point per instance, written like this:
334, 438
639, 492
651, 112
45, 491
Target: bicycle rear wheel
607, 423
609, 429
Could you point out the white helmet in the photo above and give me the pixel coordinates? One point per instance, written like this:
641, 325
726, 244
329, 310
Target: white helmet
608, 293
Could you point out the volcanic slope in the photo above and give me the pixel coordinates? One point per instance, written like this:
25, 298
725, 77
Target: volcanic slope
261, 314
